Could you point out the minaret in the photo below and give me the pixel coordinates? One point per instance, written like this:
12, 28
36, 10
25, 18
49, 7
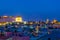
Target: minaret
47, 21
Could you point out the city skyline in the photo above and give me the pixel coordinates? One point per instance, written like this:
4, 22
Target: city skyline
31, 9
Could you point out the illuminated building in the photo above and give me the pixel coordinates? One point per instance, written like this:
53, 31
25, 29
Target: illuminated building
58, 22
37, 29
3, 20
47, 21
25, 22
18, 19
54, 21
0, 24
29, 22
5, 16
11, 19
3, 23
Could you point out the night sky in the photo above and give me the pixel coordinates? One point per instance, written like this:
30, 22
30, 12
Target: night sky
31, 9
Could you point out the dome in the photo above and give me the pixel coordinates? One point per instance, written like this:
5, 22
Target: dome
18, 19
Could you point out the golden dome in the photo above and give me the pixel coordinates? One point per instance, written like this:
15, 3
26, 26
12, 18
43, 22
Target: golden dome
18, 19
54, 21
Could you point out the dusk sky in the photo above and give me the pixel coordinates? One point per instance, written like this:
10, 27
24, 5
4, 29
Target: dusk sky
31, 9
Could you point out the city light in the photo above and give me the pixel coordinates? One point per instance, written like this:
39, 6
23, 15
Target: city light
0, 24
47, 21
25, 22
54, 21
17, 25
5, 16
18, 19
